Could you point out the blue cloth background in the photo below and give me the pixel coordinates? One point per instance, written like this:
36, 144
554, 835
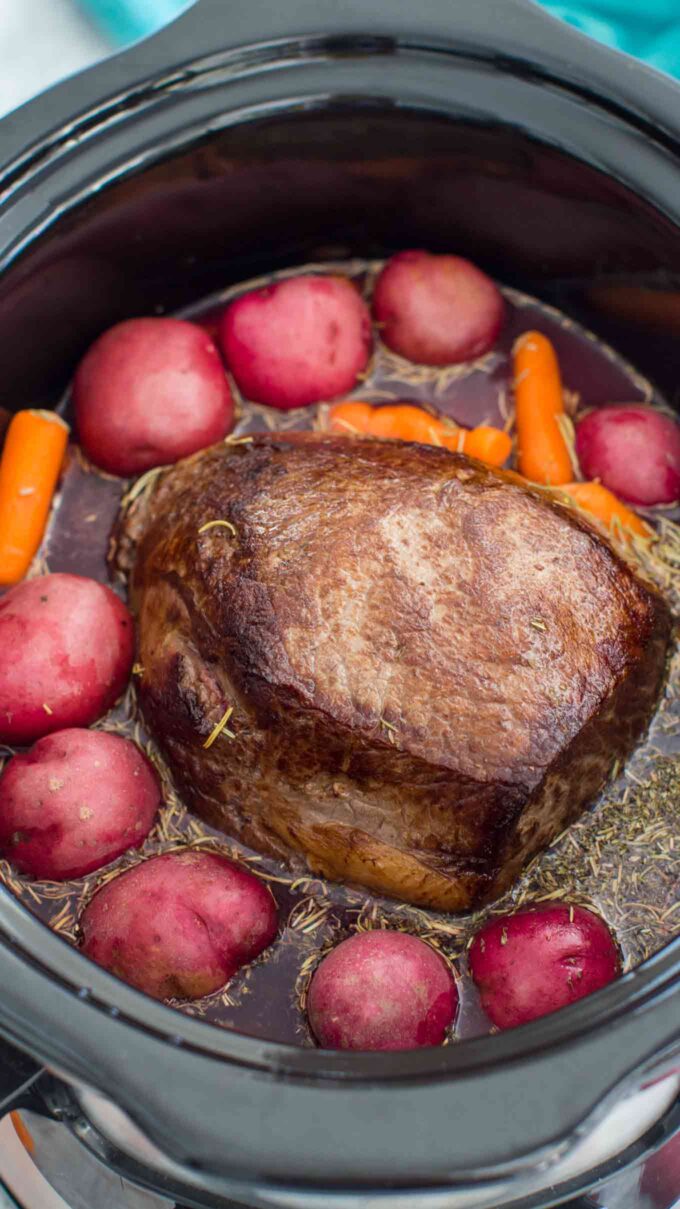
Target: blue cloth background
126, 20
649, 29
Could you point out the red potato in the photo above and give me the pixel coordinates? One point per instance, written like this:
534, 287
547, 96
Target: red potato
540, 959
74, 802
149, 392
66, 649
381, 991
297, 342
633, 450
179, 926
437, 310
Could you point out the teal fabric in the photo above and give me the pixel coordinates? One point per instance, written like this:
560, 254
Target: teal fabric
649, 29
127, 20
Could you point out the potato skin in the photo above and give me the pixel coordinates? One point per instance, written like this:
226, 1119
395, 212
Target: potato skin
76, 801
540, 959
297, 342
634, 451
179, 925
149, 392
381, 990
66, 650
437, 310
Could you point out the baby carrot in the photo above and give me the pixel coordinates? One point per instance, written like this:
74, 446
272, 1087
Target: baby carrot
543, 456
385, 422
399, 421
351, 418
31, 463
490, 445
606, 508
405, 422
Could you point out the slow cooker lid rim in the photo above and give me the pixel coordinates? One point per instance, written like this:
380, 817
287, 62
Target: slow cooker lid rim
646, 171
285, 52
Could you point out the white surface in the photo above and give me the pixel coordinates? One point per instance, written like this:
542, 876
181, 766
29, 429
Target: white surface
81, 1179
18, 1171
41, 41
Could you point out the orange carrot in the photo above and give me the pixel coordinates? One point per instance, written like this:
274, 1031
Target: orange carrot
406, 422
351, 418
22, 1133
31, 463
490, 445
399, 421
606, 508
385, 422
543, 455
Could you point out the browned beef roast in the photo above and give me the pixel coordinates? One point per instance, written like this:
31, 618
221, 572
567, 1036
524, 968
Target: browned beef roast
432, 668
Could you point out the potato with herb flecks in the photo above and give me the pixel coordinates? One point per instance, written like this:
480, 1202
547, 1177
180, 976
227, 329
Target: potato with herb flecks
76, 801
179, 926
66, 648
540, 959
382, 990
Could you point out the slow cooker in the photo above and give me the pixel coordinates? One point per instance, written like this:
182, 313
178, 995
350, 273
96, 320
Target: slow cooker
235, 142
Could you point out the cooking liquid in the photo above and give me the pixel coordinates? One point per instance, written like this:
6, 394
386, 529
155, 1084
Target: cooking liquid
619, 857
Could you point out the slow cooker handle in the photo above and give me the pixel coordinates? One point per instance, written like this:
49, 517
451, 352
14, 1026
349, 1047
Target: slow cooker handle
208, 25
522, 27
518, 30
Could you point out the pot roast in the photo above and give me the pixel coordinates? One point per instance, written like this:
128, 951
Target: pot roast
432, 668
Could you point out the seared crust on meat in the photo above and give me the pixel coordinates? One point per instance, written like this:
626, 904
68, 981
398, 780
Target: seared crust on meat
432, 667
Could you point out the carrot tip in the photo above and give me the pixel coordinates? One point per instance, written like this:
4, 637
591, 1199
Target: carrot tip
51, 416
